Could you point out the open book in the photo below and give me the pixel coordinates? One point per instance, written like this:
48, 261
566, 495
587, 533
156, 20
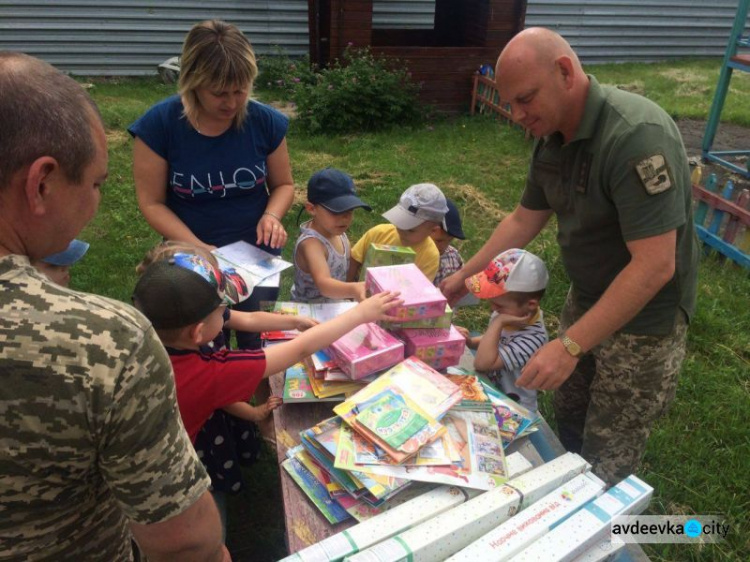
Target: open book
252, 264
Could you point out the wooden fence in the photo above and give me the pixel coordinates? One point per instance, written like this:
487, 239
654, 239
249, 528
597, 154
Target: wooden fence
723, 220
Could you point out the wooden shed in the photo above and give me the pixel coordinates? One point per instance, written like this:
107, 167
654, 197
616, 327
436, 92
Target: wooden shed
465, 35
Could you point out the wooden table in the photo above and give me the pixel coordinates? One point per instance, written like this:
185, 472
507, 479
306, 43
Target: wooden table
305, 525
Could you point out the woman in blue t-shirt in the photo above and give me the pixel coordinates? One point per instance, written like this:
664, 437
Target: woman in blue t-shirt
211, 166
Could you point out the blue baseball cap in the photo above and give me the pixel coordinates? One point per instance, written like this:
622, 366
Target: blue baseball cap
334, 190
74, 252
452, 221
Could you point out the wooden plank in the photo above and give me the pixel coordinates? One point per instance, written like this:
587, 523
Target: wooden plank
716, 201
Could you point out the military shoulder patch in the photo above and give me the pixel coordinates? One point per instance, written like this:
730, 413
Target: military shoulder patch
654, 174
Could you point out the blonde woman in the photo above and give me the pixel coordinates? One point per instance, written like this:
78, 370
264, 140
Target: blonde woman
211, 165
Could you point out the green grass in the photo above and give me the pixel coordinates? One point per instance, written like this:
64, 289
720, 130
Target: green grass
698, 458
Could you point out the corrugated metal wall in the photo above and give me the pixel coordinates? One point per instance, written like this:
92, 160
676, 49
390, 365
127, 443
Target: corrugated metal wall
637, 30
126, 37
403, 14
121, 37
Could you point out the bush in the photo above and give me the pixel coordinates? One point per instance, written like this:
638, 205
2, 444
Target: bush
280, 74
360, 93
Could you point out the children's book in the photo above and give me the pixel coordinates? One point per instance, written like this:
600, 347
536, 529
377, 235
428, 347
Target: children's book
482, 465
427, 388
396, 424
321, 311
297, 387
473, 396
314, 490
380, 486
251, 263
513, 420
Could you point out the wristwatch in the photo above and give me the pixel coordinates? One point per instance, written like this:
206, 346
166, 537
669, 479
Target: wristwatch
571, 347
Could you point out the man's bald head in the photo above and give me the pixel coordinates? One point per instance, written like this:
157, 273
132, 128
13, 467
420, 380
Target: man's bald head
535, 48
541, 78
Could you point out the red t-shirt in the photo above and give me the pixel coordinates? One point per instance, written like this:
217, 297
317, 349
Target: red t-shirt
208, 381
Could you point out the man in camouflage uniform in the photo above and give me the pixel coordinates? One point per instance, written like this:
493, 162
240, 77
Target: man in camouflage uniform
611, 166
91, 443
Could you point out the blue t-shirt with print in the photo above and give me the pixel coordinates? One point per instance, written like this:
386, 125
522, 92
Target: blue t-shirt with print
215, 185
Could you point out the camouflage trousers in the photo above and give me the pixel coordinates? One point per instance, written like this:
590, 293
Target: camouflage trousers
606, 409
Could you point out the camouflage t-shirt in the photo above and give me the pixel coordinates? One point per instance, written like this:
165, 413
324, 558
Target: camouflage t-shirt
90, 433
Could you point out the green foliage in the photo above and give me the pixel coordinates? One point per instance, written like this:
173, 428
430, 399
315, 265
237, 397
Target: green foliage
362, 92
280, 74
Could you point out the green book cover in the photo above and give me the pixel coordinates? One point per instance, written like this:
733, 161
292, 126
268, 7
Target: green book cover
390, 418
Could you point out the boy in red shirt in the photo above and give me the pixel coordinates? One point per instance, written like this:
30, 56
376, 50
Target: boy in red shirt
183, 297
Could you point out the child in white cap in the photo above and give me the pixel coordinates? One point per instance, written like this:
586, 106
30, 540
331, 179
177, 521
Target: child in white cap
514, 282
420, 209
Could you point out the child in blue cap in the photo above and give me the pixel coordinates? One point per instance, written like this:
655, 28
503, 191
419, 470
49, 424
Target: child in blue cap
443, 234
322, 252
57, 266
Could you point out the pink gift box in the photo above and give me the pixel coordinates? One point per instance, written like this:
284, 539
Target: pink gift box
367, 349
421, 298
438, 348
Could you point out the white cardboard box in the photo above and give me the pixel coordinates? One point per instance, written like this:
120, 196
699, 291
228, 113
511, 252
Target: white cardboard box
439, 537
400, 518
382, 526
527, 526
603, 550
590, 524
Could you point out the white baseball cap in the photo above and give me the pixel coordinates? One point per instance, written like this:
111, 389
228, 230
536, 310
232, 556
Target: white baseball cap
512, 271
421, 202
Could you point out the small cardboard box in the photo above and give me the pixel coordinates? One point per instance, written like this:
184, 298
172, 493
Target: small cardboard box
525, 527
438, 348
367, 349
439, 537
421, 298
386, 254
590, 524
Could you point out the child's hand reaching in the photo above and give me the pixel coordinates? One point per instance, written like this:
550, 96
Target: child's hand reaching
305, 322
376, 307
360, 292
245, 411
270, 405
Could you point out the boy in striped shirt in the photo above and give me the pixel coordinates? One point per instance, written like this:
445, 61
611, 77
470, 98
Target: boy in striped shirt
514, 282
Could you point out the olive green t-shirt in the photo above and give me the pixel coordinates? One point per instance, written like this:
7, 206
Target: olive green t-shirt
624, 177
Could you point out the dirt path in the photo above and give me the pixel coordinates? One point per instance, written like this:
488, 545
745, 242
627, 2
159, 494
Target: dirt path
728, 137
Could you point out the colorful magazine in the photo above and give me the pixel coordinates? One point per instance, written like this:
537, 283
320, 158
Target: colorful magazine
430, 390
314, 490
513, 420
297, 387
482, 464
473, 395
326, 435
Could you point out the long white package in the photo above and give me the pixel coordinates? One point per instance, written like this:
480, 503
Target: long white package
447, 533
590, 524
525, 527
603, 550
400, 518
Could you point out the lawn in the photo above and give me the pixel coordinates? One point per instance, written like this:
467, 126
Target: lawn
698, 458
